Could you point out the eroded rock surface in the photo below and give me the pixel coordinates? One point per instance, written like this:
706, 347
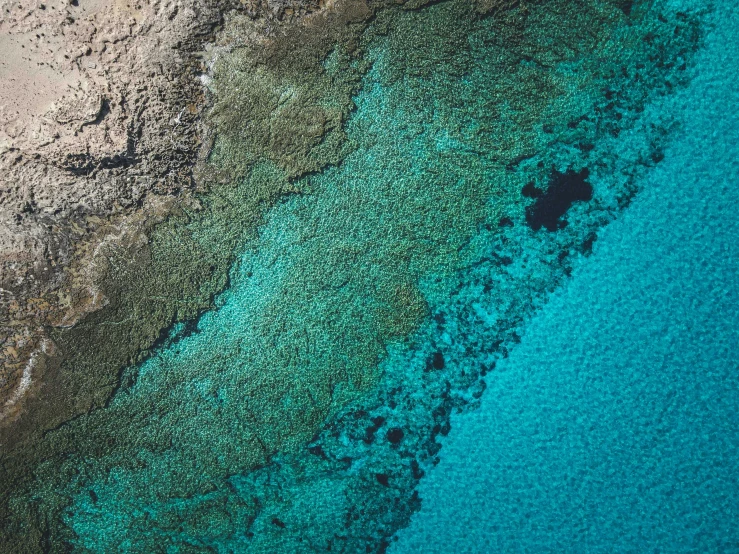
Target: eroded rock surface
98, 104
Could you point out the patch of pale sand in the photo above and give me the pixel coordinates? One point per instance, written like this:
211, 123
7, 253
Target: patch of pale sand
32, 85
10, 408
125, 8
57, 61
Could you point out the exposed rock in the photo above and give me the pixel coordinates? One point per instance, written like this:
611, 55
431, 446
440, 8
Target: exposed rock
98, 109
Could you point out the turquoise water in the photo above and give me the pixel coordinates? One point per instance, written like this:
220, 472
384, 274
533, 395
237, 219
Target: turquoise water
612, 427
377, 301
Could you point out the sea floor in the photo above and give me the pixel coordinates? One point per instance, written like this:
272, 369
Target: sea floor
483, 298
612, 427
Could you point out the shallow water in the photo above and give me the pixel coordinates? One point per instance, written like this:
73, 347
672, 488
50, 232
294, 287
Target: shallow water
481, 158
612, 426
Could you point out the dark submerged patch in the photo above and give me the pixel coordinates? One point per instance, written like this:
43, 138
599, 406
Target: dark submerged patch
564, 190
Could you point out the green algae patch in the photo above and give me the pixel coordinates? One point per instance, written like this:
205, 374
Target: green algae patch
355, 180
285, 97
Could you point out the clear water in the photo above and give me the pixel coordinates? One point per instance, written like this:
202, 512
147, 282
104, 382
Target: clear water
303, 412
612, 427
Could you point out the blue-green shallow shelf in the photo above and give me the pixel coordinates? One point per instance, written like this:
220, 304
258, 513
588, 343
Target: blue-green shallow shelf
614, 425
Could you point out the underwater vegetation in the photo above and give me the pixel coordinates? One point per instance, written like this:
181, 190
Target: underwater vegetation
391, 191
611, 427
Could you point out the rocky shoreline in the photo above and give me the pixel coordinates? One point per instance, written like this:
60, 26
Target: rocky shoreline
98, 128
101, 131
92, 165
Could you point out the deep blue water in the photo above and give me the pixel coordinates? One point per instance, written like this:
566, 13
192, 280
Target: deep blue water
614, 425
